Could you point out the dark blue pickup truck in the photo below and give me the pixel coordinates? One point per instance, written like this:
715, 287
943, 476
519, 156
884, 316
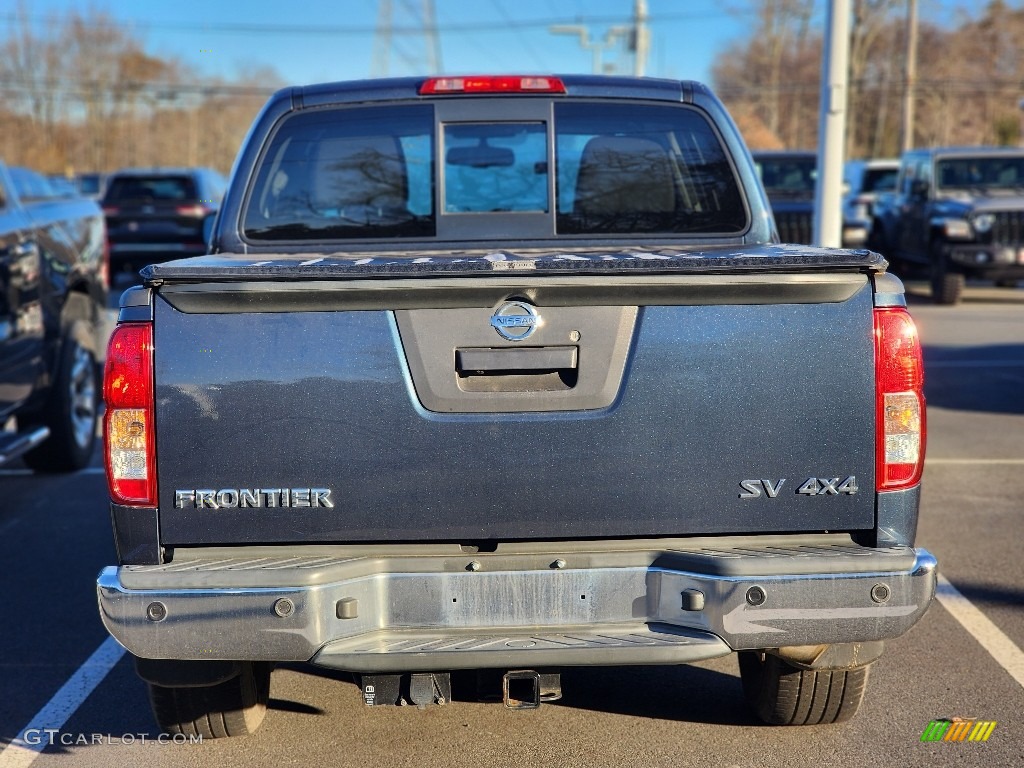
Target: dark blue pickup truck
509, 374
53, 289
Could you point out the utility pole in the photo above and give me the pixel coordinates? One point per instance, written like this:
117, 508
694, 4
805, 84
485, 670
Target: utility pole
433, 39
424, 21
910, 76
596, 47
382, 40
828, 225
641, 38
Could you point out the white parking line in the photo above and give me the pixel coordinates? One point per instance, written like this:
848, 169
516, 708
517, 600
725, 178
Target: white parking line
21, 753
991, 637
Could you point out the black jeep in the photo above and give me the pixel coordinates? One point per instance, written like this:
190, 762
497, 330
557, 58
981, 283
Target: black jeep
960, 213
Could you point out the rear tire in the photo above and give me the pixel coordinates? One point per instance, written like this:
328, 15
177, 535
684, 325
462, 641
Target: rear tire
782, 694
947, 286
72, 409
235, 707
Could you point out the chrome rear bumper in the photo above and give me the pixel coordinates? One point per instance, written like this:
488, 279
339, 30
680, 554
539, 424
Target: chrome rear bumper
534, 609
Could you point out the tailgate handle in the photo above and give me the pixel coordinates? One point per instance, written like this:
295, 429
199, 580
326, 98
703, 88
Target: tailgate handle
515, 360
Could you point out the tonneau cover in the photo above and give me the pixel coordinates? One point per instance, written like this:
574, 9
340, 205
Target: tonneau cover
576, 261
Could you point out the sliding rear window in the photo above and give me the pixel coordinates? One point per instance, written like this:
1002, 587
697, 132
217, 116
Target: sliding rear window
340, 174
530, 169
628, 169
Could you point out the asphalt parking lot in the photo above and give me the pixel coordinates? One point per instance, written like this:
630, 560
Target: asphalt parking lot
963, 660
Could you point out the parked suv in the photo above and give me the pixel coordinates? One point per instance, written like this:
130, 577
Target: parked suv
789, 178
155, 214
960, 213
863, 182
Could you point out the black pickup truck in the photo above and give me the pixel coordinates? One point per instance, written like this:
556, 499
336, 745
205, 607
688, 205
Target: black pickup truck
53, 289
958, 212
509, 374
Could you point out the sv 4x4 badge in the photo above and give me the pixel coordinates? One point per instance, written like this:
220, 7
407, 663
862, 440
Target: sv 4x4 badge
812, 486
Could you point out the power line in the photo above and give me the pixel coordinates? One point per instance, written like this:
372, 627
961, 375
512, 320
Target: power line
400, 29
427, 58
507, 21
161, 91
492, 54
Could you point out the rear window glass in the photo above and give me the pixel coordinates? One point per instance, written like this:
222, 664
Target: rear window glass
375, 172
335, 174
628, 169
880, 179
90, 184
495, 167
787, 175
154, 188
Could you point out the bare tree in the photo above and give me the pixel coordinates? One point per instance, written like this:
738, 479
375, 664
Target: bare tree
32, 66
872, 66
969, 77
776, 71
82, 93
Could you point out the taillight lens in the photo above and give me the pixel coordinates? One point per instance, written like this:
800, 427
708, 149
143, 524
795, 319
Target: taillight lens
197, 211
900, 411
129, 439
492, 84
111, 210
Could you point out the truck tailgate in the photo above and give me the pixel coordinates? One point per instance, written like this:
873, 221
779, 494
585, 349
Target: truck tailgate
660, 405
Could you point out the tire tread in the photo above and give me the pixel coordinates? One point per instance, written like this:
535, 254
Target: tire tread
235, 707
782, 694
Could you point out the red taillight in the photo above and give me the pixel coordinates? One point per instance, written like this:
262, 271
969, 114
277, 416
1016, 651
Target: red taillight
492, 84
900, 412
111, 210
196, 211
128, 429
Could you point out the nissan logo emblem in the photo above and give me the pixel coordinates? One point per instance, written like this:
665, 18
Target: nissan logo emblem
515, 320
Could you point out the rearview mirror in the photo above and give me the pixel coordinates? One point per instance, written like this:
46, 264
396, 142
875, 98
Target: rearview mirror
481, 156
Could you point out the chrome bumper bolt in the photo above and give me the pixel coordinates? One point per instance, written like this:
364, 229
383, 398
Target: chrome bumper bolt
284, 607
156, 611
